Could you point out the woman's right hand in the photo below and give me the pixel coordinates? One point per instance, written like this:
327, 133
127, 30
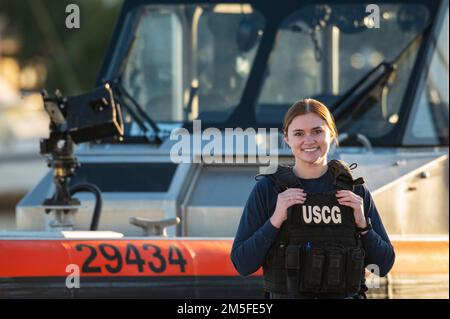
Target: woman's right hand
286, 199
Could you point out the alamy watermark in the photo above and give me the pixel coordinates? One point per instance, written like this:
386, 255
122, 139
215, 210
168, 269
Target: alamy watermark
373, 279
73, 17
372, 21
233, 145
73, 279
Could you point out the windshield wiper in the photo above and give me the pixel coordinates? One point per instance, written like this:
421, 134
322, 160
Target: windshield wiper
138, 113
193, 92
365, 93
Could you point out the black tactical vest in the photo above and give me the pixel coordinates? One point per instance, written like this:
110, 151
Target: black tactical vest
317, 253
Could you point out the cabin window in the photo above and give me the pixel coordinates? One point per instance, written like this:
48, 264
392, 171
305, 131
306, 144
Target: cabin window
321, 51
190, 62
429, 123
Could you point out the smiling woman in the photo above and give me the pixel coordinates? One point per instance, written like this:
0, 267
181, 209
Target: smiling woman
310, 137
322, 254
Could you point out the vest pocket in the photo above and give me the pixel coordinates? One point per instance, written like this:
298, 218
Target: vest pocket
293, 266
274, 269
355, 268
334, 277
314, 261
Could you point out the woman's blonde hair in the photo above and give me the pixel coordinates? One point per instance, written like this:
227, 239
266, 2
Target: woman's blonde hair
306, 106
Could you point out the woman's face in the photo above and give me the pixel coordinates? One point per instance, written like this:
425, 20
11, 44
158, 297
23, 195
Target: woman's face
309, 138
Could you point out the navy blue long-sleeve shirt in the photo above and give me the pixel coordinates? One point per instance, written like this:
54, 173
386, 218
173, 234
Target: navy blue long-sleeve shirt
256, 234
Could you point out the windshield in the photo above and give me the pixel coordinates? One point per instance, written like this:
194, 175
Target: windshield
323, 50
192, 61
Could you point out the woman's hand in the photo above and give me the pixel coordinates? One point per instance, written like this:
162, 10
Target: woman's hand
350, 199
291, 196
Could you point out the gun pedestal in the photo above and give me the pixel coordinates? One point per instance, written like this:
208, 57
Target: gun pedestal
59, 149
75, 119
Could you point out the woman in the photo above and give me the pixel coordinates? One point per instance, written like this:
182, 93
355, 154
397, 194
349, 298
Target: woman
293, 268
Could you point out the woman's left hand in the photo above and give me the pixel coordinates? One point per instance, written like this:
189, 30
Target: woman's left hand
350, 199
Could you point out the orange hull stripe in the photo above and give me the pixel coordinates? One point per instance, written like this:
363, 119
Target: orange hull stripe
178, 257
31, 258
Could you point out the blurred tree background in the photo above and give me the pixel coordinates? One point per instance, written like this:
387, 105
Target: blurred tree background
49, 55
38, 51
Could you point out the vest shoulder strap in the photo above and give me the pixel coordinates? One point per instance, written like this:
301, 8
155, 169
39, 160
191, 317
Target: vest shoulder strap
283, 178
342, 175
